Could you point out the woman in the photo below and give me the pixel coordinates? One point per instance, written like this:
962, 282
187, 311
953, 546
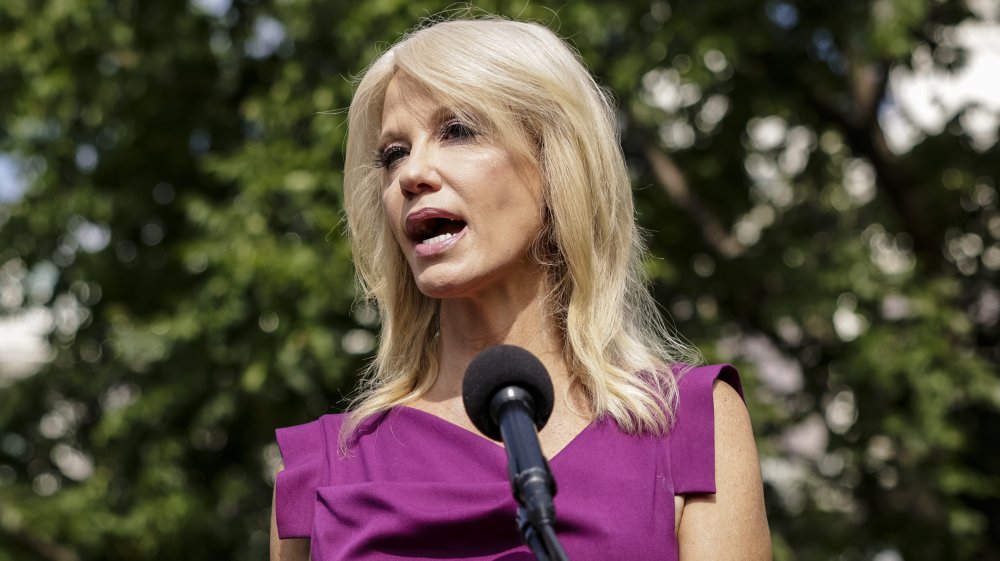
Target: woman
488, 202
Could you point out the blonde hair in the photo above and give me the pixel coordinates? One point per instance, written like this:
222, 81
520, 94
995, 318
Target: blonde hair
520, 84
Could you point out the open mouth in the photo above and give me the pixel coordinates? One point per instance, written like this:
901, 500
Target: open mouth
433, 231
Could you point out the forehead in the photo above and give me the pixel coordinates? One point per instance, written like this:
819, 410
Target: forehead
408, 100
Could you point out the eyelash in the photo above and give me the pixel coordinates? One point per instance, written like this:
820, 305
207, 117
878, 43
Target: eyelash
384, 157
460, 129
453, 129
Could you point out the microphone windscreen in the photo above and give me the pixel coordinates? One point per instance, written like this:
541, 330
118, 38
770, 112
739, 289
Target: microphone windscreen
496, 368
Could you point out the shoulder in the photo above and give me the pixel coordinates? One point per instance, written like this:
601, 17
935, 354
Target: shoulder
305, 450
695, 381
308, 438
707, 529
692, 436
735, 448
730, 413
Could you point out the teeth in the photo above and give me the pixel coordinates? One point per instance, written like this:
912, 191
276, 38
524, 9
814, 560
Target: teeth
438, 239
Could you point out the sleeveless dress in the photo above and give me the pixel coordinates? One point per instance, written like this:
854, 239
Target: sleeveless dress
417, 487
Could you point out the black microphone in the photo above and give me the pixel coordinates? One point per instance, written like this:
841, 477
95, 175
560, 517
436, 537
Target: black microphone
508, 394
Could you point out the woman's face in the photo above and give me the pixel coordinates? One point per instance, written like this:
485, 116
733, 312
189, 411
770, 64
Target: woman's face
462, 209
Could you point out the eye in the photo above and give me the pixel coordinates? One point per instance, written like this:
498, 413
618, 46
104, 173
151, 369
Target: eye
390, 156
456, 130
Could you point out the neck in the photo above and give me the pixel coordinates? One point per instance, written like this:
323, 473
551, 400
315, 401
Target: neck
513, 317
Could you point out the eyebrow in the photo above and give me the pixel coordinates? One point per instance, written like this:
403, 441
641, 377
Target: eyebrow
387, 137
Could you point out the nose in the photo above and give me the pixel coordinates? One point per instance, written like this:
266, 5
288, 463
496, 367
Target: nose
419, 173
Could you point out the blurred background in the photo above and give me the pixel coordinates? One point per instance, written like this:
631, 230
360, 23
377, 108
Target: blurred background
817, 178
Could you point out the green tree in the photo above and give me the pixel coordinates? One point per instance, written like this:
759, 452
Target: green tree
180, 237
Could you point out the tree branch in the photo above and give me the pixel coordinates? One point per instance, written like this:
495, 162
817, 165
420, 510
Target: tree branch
675, 184
43, 547
864, 134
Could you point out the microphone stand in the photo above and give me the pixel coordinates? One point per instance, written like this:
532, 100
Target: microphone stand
530, 537
531, 480
546, 546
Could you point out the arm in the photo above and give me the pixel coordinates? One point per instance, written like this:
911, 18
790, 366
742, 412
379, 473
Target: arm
729, 525
286, 550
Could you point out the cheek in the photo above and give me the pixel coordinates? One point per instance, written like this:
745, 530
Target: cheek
530, 201
523, 191
394, 236
391, 205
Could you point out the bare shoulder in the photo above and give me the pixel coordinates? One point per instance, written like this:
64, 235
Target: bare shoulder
731, 524
731, 415
286, 550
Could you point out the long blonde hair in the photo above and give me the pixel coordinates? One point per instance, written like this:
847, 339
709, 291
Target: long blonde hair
522, 85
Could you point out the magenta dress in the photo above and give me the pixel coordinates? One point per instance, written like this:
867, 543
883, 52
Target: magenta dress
417, 487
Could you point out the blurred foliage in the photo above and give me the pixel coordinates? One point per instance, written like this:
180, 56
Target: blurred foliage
180, 238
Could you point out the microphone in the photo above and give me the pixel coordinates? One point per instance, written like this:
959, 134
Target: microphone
508, 395
498, 368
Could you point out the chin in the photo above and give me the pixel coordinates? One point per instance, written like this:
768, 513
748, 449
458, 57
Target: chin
442, 286
440, 290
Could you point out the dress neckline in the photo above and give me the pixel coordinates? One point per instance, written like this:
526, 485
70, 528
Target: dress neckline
497, 447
